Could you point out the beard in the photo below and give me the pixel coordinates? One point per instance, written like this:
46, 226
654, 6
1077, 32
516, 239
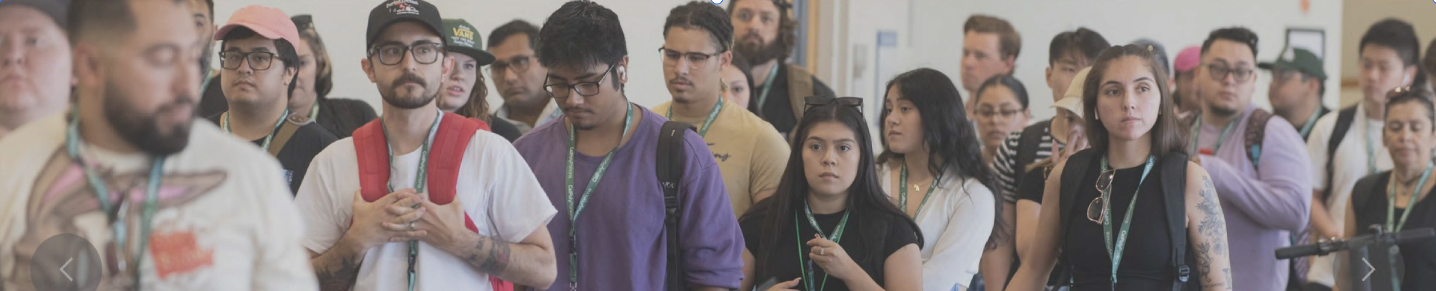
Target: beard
142, 129
762, 52
424, 98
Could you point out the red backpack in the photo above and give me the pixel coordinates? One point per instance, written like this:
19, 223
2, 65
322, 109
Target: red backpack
445, 155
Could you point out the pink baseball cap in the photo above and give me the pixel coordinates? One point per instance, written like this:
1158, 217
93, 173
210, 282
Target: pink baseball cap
1188, 59
267, 22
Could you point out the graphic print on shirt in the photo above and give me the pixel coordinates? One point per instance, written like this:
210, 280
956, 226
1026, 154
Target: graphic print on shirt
62, 201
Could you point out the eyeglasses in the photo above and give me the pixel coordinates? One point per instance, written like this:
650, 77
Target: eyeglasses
1219, 72
1005, 114
696, 60
392, 54
258, 60
815, 101
561, 91
519, 64
1095, 211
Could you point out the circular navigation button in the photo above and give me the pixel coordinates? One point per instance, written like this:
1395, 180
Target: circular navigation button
66, 262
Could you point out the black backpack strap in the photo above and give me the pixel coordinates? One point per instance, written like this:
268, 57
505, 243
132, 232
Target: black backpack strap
1072, 174
1174, 190
1365, 189
1255, 134
1343, 124
1028, 143
670, 169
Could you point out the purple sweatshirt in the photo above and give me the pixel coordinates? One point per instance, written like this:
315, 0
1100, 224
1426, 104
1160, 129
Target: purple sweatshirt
1264, 203
621, 239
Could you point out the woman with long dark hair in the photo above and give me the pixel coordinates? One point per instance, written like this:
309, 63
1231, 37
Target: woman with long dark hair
931, 166
830, 226
1113, 224
1395, 200
315, 79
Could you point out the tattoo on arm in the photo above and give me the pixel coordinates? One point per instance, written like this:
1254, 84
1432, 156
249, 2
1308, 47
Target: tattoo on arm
340, 277
1213, 240
497, 259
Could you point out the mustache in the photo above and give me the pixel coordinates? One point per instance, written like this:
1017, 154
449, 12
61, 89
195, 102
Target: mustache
408, 78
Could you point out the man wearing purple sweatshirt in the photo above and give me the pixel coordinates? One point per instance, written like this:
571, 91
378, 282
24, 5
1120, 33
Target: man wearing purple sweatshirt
1263, 187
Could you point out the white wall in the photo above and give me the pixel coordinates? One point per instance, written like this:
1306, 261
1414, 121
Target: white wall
342, 23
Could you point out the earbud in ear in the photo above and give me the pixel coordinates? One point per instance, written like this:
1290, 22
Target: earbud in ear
622, 72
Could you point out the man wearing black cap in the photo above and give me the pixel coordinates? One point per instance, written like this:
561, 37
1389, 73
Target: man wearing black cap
419, 189
35, 76
1297, 84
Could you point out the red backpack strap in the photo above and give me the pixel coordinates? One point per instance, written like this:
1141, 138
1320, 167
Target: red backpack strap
372, 151
446, 156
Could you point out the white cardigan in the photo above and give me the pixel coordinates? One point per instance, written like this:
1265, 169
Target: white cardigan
955, 223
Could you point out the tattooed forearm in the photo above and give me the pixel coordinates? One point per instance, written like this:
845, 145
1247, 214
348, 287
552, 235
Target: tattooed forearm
337, 271
496, 258
1211, 244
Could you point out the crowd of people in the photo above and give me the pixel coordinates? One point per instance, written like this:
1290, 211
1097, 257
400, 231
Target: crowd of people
756, 176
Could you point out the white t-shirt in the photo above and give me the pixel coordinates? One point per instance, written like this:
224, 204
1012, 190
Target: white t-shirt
495, 187
1350, 166
224, 220
955, 223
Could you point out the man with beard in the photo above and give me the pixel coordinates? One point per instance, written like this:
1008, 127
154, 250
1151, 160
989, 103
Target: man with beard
1255, 161
750, 153
421, 199
224, 221
766, 35
603, 148
260, 62
35, 71
519, 77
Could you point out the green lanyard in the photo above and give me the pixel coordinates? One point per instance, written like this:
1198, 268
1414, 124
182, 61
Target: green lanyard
419, 182
152, 189
1121, 244
573, 211
1310, 122
837, 236
712, 115
1392, 225
1370, 148
224, 123
902, 191
314, 112
1197, 133
767, 85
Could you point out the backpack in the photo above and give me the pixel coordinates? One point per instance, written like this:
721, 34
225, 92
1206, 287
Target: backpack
1254, 133
1173, 169
669, 166
800, 86
450, 141
1343, 124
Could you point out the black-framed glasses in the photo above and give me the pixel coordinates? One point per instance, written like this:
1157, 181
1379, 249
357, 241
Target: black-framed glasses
561, 91
258, 60
1220, 72
696, 60
424, 53
814, 101
519, 64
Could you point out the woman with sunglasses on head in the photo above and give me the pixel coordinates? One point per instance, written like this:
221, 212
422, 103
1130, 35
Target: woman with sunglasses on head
932, 169
1395, 200
311, 90
830, 226
1126, 233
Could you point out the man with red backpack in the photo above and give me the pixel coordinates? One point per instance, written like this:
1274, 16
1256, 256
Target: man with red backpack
412, 201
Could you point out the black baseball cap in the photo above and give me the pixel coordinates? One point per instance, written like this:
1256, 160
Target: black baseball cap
392, 11
56, 9
1300, 60
461, 37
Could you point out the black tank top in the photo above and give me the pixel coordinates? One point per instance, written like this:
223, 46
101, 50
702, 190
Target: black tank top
1420, 257
1146, 260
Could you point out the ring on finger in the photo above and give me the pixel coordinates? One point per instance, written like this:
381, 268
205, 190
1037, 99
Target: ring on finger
411, 225
822, 252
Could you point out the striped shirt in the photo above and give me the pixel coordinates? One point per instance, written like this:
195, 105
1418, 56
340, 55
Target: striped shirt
1006, 161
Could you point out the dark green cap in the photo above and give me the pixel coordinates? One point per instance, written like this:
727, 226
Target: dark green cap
1300, 60
460, 37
